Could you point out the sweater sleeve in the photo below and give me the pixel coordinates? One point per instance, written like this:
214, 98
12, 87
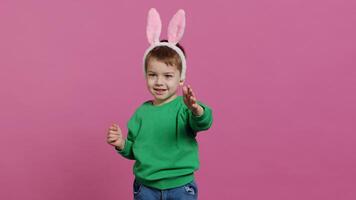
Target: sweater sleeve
133, 126
203, 122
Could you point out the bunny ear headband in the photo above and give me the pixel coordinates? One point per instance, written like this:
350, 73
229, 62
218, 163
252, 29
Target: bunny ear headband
175, 33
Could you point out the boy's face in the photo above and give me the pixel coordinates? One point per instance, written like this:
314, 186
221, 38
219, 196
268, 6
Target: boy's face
162, 81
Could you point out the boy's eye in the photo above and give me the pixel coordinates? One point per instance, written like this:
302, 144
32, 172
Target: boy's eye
151, 74
169, 76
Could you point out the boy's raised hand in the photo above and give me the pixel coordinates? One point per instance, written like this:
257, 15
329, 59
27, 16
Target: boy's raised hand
191, 101
114, 137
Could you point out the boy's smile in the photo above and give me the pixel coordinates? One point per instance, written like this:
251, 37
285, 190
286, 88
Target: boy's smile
162, 81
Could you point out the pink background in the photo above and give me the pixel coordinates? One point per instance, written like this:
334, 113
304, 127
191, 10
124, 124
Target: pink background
279, 75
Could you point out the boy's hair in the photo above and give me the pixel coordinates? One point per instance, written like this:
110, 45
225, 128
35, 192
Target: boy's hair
167, 55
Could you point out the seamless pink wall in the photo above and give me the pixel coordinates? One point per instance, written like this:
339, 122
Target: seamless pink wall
280, 77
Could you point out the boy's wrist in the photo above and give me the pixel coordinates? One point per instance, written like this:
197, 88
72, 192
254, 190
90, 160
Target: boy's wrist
120, 147
199, 112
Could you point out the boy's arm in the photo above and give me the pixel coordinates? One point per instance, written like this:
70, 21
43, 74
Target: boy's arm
133, 127
199, 115
127, 150
200, 122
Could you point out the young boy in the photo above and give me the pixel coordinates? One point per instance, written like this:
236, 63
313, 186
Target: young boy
162, 132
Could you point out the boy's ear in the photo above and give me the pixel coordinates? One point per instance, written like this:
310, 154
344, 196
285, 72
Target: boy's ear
181, 82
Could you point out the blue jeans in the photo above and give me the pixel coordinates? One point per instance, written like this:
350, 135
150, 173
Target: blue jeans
188, 191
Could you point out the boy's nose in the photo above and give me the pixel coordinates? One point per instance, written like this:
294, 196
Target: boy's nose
159, 81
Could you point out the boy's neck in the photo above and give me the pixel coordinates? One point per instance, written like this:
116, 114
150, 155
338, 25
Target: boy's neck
155, 103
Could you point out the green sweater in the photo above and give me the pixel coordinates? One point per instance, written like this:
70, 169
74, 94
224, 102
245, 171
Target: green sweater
162, 141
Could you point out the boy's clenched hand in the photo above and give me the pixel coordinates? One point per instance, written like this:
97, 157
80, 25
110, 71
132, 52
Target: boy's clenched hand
191, 101
115, 138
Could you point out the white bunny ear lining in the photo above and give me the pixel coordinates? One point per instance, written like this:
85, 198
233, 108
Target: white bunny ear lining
174, 34
154, 26
176, 27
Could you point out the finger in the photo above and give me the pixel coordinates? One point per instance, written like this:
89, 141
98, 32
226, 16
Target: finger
185, 93
111, 140
112, 129
114, 133
113, 136
193, 99
193, 95
114, 126
190, 90
185, 90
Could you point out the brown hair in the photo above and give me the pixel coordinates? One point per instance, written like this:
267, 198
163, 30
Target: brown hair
167, 55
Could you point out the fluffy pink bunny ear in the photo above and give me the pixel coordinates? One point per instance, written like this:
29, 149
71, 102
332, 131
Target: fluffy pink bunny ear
154, 26
176, 27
